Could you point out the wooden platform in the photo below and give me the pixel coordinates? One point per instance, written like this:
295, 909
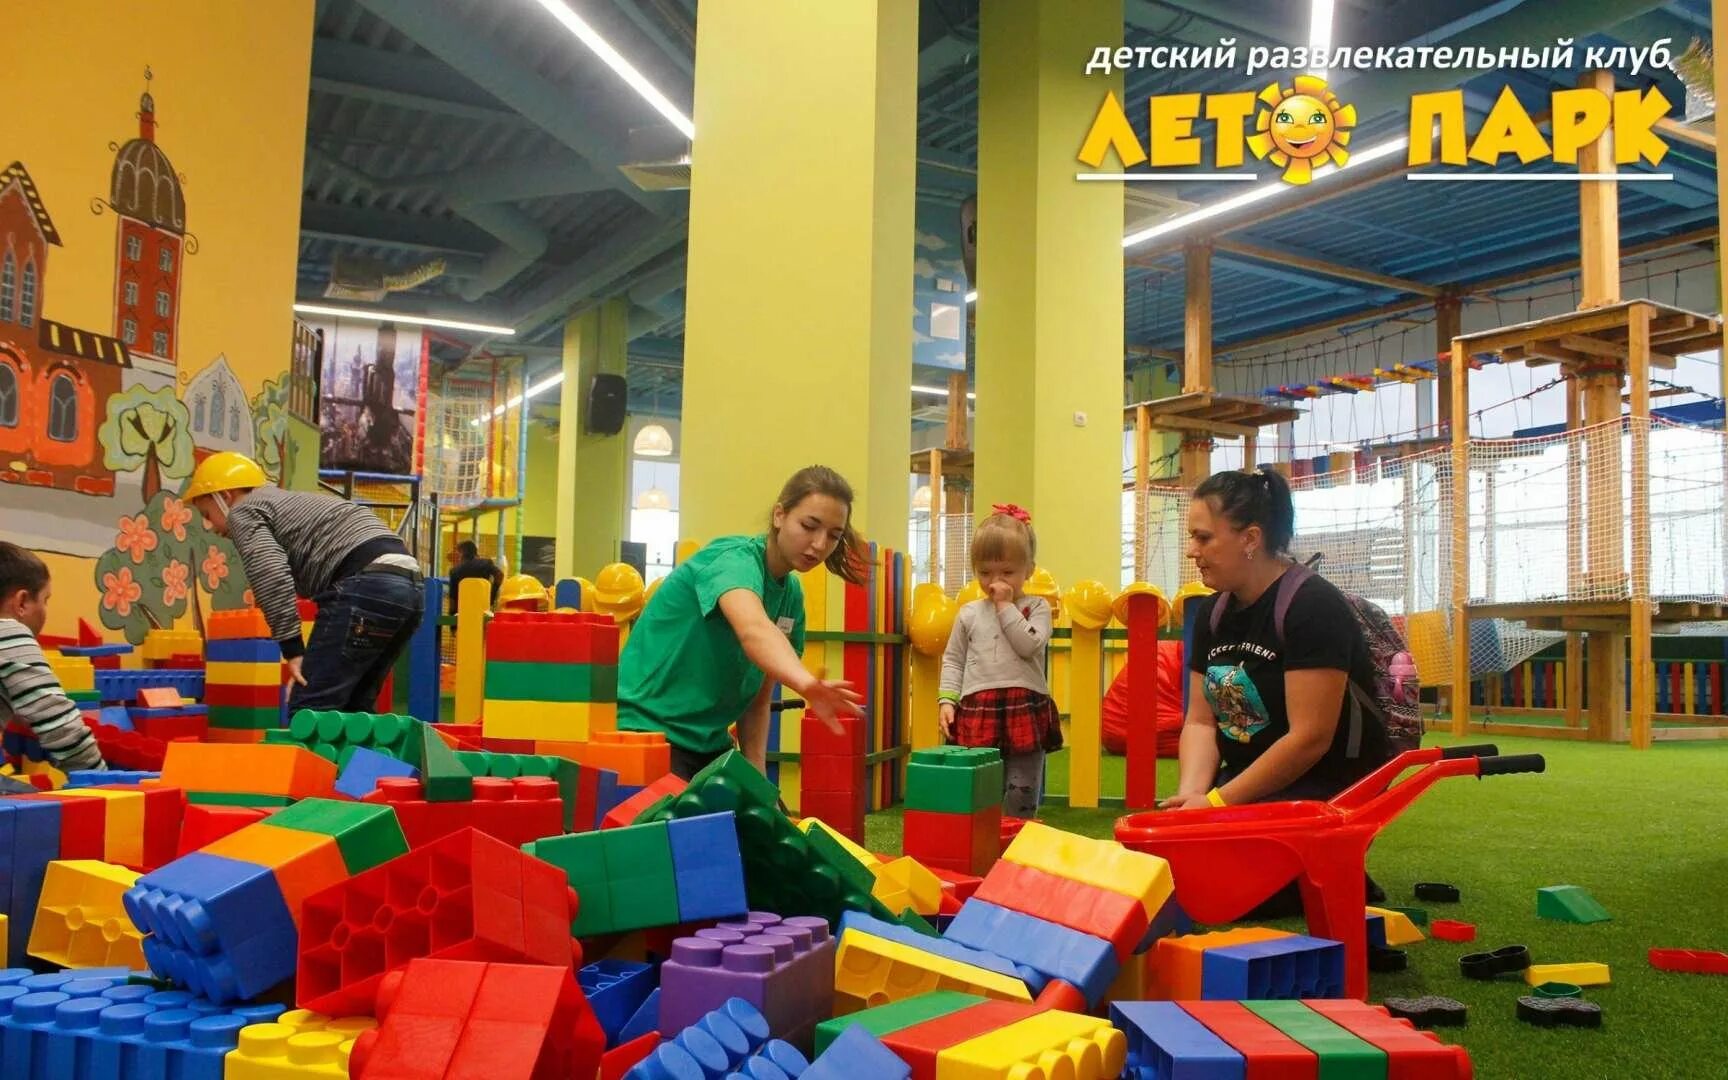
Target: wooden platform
955, 463
1609, 615
1213, 414
1580, 340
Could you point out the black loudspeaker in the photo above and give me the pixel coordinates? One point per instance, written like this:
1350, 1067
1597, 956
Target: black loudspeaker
608, 400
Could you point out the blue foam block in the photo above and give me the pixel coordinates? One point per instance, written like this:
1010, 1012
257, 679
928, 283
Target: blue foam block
646, 1018
116, 685
707, 866
95, 650
856, 1053
366, 767
615, 990
605, 794
217, 925
1281, 969
952, 950
116, 716
1377, 930
1165, 1042
1087, 962
83, 778
242, 651
141, 713
35, 842
723, 1041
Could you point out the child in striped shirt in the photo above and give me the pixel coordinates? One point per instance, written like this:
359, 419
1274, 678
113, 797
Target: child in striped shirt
28, 689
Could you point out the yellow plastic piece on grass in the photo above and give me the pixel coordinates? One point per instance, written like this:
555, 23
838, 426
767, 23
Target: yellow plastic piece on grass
80, 919
300, 1043
1399, 929
1043, 1046
1104, 864
1587, 974
871, 971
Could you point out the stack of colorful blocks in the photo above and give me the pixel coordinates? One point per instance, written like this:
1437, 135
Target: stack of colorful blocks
954, 808
243, 676
550, 678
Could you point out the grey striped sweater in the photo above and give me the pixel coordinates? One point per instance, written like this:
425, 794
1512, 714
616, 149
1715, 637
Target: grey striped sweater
30, 692
293, 543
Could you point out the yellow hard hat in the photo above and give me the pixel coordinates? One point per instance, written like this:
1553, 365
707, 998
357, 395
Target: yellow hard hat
1089, 604
1189, 591
969, 592
1042, 583
618, 591
932, 619
519, 587
224, 471
1119, 607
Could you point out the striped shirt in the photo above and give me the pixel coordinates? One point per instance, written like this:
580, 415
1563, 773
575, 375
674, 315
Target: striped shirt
299, 543
30, 692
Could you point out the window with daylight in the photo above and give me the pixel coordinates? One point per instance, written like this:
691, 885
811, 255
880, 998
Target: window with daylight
162, 302
27, 296
8, 396
128, 331
159, 343
134, 248
165, 260
8, 286
63, 409
129, 293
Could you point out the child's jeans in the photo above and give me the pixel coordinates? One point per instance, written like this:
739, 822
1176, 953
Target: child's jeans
1022, 782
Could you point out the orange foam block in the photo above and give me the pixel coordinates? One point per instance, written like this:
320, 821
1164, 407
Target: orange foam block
257, 769
160, 697
235, 624
302, 862
638, 757
1177, 963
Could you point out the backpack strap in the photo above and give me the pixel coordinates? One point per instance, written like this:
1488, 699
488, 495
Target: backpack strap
1287, 586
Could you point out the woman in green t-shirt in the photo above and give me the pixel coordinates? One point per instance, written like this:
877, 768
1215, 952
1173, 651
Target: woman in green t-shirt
728, 624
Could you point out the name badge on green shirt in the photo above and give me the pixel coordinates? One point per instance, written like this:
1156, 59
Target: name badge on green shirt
785, 623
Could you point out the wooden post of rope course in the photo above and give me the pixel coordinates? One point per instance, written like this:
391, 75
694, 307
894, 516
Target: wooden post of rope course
1604, 536
1643, 666
1574, 674
936, 514
1196, 354
1448, 324
1142, 489
957, 433
1460, 398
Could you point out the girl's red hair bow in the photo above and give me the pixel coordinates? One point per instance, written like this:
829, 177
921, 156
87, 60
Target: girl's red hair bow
1018, 513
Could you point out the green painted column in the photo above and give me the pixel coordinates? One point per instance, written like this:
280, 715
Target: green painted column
1049, 317
593, 470
798, 339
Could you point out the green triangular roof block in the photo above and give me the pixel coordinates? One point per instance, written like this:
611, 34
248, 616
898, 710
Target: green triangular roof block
442, 775
1569, 903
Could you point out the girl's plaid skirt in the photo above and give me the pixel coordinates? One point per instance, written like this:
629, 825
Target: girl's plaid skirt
1012, 718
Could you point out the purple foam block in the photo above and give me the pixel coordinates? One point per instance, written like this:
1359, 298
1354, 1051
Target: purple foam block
783, 967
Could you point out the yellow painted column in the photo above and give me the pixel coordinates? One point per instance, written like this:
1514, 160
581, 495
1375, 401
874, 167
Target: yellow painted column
593, 470
1049, 422
797, 343
473, 598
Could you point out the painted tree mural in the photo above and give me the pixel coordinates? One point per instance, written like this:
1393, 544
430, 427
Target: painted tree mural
162, 559
150, 430
270, 426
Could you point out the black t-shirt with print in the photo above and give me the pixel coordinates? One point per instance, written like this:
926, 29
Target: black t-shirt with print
1243, 666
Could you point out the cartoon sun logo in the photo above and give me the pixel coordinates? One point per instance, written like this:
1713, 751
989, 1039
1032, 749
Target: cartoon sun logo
1302, 127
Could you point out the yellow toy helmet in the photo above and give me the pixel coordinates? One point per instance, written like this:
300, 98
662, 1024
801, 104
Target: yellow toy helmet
618, 591
932, 619
1042, 583
224, 471
969, 592
1089, 604
520, 587
1119, 607
1189, 591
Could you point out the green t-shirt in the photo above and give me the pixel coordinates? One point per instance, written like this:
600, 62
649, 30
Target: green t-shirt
683, 671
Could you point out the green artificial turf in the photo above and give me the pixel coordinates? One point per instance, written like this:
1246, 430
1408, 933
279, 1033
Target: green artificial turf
1646, 833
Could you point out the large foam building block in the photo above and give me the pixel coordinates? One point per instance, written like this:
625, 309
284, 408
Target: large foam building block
724, 1041
334, 735
296, 1044
880, 962
1177, 962
615, 990
515, 811
30, 831
452, 1018
659, 873
854, 1054
467, 896
94, 1025
1085, 962
1284, 968
785, 968
258, 769
953, 1036
80, 919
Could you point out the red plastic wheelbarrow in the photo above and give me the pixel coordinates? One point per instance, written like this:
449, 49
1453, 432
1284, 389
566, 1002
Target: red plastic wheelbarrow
1228, 860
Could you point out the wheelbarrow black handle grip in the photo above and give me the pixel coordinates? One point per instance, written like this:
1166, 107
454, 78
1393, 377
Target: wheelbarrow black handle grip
1511, 763
1480, 750
785, 703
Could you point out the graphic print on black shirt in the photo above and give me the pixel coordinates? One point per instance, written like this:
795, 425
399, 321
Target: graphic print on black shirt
1243, 664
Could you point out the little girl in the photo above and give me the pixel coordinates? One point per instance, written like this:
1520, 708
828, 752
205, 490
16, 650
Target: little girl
994, 691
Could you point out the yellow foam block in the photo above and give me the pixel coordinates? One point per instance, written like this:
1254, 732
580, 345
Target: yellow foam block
5, 942
164, 644
299, 1043
123, 828
871, 971
908, 878
1048, 1044
1399, 929
242, 673
76, 674
553, 721
80, 920
1104, 864
1587, 974
852, 849
56, 778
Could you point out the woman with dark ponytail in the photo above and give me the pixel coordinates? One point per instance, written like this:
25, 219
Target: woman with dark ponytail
1278, 667
728, 624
